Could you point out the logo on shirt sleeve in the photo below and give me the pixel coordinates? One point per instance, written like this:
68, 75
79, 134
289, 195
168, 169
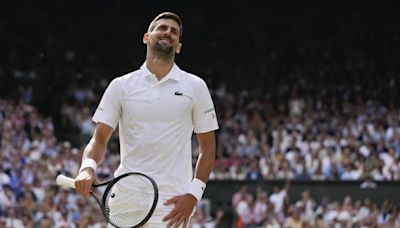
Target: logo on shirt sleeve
211, 111
178, 93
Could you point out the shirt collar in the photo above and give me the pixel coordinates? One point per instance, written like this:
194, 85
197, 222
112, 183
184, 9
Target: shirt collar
174, 73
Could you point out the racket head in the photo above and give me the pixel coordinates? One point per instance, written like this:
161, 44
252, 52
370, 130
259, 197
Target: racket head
129, 200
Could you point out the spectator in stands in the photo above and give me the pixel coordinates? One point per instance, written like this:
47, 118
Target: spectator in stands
12, 218
244, 210
306, 206
260, 208
294, 220
277, 197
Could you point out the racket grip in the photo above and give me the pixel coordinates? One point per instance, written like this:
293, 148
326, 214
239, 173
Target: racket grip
65, 181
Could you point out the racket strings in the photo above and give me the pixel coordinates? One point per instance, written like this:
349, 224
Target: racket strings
129, 200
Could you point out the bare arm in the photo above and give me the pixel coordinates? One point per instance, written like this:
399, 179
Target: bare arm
95, 149
97, 145
206, 158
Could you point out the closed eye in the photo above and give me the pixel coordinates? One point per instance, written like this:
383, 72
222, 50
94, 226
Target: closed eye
163, 28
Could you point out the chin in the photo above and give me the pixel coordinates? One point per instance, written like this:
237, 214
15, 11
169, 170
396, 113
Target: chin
167, 50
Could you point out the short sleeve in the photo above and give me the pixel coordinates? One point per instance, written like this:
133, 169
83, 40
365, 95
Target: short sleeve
109, 109
204, 115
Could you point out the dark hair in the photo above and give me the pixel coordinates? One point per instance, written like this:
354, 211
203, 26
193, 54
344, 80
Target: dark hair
166, 15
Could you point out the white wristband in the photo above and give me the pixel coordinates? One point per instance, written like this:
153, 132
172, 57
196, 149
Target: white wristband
197, 188
88, 163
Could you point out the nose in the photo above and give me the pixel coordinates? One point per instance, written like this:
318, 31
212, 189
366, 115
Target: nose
168, 31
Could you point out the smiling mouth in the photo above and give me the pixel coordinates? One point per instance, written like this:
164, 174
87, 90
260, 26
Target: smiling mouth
165, 41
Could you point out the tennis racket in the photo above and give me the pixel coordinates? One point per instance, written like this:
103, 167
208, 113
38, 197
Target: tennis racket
128, 200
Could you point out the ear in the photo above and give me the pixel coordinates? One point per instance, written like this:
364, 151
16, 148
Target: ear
146, 38
178, 48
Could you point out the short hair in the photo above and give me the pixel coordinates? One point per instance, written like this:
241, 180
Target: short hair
167, 15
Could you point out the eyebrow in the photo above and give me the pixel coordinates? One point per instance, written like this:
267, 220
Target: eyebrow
175, 29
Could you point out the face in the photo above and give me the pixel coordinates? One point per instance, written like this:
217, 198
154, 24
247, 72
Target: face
164, 39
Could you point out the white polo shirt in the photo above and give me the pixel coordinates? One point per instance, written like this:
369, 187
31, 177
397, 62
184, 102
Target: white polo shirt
156, 122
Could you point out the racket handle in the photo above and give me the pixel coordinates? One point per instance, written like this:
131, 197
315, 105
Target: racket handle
65, 181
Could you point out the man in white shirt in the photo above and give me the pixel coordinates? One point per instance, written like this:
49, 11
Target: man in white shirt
157, 108
278, 196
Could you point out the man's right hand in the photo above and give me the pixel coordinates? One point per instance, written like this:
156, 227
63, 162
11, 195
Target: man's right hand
84, 181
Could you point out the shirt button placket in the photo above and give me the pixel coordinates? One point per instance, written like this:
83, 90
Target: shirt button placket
152, 90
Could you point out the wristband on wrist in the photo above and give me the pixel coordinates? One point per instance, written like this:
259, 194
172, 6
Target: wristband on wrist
197, 188
88, 163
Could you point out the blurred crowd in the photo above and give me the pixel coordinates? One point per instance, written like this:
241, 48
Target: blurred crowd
307, 140
319, 137
276, 209
31, 158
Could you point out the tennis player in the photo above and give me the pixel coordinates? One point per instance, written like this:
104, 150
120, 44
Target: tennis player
157, 108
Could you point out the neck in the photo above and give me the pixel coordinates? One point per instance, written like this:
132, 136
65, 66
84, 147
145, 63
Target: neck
159, 66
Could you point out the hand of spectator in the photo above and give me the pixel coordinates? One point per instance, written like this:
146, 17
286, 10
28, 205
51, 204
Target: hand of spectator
84, 181
184, 205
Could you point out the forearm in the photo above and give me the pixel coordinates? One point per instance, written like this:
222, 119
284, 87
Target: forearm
206, 158
94, 150
203, 167
97, 145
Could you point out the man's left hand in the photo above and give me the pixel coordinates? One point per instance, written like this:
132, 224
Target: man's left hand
184, 205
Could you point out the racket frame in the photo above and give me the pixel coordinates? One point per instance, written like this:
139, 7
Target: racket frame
111, 183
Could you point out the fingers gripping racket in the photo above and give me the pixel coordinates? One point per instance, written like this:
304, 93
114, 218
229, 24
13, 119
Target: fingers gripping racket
128, 200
